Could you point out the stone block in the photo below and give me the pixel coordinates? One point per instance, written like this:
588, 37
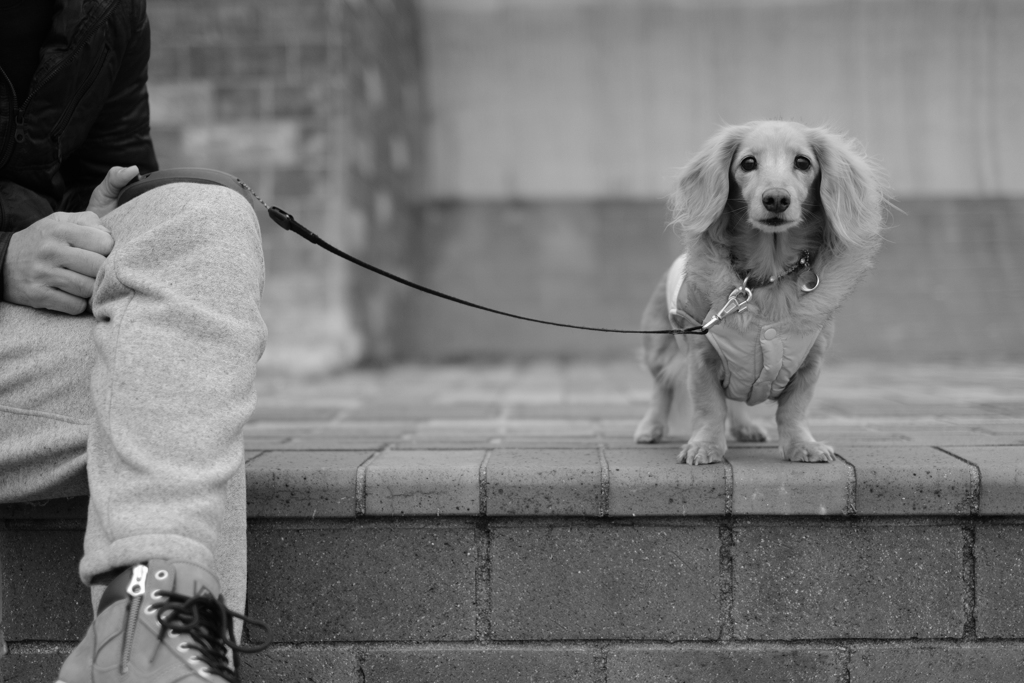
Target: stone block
1012, 428
491, 664
225, 61
168, 62
909, 480
649, 482
1009, 408
879, 408
847, 580
31, 667
422, 482
543, 481
295, 22
965, 437
43, 598
367, 429
999, 581
1002, 477
623, 442
424, 411
180, 103
551, 427
548, 442
948, 663
303, 483
374, 89
766, 484
242, 144
364, 581
443, 445
333, 442
399, 153
600, 582
840, 438
579, 411
731, 664
615, 430
263, 443
76, 507
237, 100
268, 412
314, 62
301, 100
322, 664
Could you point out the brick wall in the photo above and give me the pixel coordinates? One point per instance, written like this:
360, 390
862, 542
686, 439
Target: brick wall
315, 103
597, 565
573, 600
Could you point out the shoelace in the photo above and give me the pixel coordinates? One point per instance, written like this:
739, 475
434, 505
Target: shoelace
207, 621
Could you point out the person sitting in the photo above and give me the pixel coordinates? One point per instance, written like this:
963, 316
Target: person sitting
129, 337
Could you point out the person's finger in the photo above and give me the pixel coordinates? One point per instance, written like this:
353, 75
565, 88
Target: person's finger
73, 283
117, 177
94, 239
88, 218
62, 302
122, 176
82, 261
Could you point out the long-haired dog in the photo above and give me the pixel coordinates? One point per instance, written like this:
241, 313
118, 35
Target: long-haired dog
793, 214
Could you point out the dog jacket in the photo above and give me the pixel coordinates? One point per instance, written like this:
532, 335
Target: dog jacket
759, 360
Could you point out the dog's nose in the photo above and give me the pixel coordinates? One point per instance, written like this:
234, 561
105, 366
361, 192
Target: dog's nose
775, 201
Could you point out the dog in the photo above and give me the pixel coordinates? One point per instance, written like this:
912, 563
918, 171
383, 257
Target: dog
787, 219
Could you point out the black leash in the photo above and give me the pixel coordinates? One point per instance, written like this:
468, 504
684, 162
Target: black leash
288, 222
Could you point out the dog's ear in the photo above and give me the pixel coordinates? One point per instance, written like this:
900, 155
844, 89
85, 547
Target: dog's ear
851, 191
703, 188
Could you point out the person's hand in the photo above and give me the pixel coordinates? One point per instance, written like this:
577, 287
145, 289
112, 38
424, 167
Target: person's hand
104, 197
53, 263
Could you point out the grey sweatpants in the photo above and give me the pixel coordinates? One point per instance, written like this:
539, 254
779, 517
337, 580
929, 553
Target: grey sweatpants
141, 404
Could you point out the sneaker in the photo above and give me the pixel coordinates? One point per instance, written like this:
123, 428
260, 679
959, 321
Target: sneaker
156, 623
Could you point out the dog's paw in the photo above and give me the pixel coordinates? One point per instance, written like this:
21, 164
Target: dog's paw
749, 431
649, 433
701, 453
809, 451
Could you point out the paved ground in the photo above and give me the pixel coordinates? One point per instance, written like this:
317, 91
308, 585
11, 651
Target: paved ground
563, 402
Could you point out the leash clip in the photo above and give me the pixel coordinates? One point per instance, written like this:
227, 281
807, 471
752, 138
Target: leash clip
733, 305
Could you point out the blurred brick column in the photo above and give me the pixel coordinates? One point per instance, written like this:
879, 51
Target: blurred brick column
315, 103
385, 118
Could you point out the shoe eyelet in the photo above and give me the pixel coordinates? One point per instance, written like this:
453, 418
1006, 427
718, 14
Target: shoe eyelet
154, 595
161, 575
150, 609
183, 647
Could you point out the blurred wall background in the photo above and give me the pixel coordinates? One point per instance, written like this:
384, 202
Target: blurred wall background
519, 153
318, 105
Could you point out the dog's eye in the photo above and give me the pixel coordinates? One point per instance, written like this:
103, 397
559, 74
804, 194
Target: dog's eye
748, 164
802, 163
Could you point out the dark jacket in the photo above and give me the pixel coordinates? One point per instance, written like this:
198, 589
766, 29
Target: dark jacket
87, 109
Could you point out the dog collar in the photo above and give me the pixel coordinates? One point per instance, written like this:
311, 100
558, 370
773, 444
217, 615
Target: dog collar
802, 264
